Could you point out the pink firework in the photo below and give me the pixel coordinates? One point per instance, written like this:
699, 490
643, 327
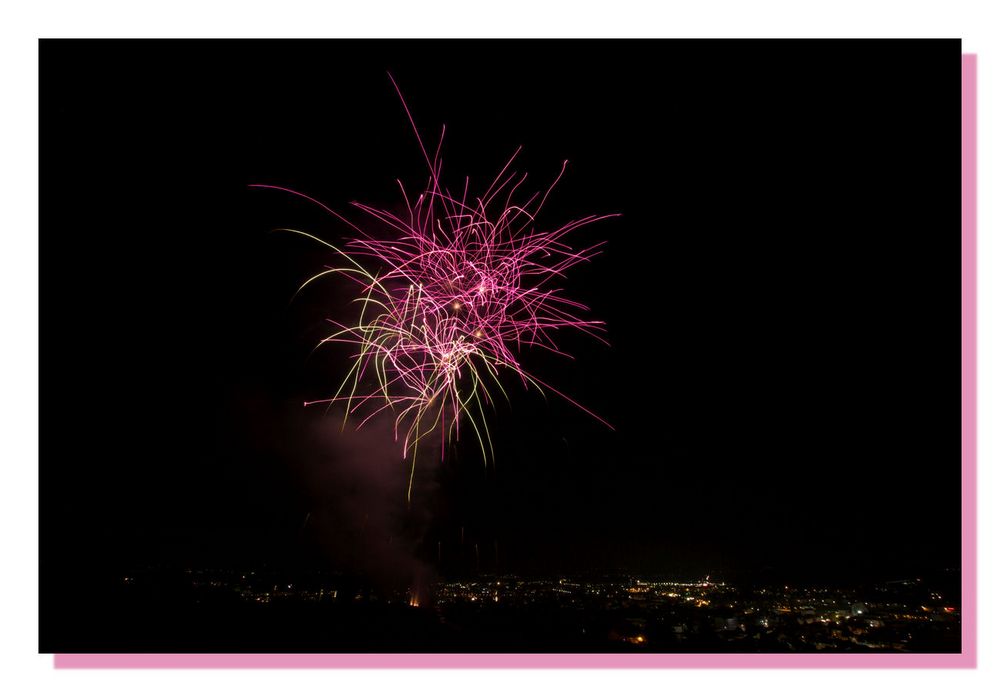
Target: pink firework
445, 304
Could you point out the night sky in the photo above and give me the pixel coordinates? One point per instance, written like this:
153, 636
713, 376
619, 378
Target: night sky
781, 293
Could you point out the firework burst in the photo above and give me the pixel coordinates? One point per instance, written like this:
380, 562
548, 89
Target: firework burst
445, 304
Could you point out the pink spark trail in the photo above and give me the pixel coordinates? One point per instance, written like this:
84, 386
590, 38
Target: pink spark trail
444, 305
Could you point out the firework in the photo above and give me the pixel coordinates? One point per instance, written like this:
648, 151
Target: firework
448, 294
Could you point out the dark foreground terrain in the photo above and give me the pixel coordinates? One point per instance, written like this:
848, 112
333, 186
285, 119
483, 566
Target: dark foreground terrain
189, 610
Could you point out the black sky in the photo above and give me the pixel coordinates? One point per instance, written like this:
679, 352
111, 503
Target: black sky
781, 290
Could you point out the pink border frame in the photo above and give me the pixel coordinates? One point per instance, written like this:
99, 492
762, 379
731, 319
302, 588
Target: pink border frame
965, 659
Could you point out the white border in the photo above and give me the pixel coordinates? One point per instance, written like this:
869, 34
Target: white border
22, 23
